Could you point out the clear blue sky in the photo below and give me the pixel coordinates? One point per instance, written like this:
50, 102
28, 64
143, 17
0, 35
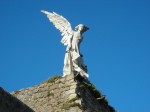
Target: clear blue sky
116, 48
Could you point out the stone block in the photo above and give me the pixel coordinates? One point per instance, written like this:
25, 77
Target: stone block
57, 81
49, 84
46, 88
36, 90
62, 80
72, 96
66, 88
70, 91
73, 83
61, 85
75, 109
44, 94
69, 77
78, 101
73, 86
56, 95
54, 86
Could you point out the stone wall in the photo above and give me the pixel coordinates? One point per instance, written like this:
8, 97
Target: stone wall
9, 103
64, 94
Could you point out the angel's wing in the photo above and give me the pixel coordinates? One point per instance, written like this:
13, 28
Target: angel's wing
61, 24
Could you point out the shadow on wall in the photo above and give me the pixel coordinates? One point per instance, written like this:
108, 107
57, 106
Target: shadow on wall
9, 103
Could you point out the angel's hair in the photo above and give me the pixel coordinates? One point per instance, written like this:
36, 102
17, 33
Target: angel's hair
85, 28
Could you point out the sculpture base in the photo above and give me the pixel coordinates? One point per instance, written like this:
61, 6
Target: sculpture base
60, 94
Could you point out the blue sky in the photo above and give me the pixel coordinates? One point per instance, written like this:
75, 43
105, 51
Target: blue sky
116, 48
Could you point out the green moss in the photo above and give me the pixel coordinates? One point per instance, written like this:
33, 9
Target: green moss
52, 79
92, 87
74, 99
68, 105
106, 101
71, 103
111, 109
83, 88
50, 94
94, 90
97, 93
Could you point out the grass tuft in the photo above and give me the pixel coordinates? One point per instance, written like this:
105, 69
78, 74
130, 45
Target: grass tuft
52, 79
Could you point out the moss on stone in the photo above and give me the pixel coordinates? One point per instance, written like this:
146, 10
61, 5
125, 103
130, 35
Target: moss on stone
86, 84
95, 92
67, 105
50, 94
52, 79
71, 103
82, 87
73, 99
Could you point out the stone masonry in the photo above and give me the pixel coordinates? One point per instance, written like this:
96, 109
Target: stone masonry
64, 94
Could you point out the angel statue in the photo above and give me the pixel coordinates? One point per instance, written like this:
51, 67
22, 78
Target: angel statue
73, 61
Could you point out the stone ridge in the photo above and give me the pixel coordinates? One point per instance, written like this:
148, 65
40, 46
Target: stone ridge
64, 94
9, 103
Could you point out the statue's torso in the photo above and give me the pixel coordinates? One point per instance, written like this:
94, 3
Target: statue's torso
76, 40
77, 35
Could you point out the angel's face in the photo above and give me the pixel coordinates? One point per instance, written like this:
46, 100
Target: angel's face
80, 28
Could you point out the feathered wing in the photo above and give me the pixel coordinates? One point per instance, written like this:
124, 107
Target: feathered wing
61, 24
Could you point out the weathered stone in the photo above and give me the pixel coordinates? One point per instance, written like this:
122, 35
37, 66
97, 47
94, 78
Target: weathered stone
73, 83
69, 77
35, 90
54, 86
72, 96
73, 86
63, 95
49, 84
67, 88
70, 91
61, 85
46, 88
78, 101
62, 80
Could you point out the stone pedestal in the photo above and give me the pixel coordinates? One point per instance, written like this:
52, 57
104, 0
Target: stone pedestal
64, 94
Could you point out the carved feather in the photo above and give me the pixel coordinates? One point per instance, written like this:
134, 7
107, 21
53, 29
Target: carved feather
62, 24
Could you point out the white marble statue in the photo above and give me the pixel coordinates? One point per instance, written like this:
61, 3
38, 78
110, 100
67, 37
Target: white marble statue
73, 62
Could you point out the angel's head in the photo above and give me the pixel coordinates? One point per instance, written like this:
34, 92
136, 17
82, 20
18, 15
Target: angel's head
82, 28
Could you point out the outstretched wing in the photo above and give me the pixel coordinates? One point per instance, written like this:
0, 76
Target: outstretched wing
61, 24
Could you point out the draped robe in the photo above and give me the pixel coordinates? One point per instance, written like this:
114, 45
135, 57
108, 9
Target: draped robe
73, 61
